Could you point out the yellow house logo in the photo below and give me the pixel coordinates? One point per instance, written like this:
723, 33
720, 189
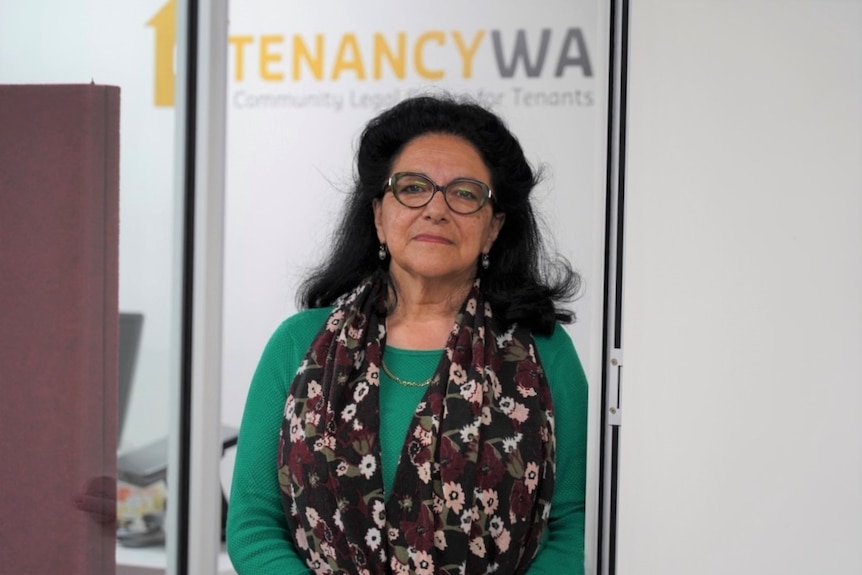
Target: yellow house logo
165, 24
395, 54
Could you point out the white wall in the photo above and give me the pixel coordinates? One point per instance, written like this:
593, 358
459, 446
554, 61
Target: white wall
742, 330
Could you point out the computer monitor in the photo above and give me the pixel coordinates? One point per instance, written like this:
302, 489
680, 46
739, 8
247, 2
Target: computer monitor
131, 325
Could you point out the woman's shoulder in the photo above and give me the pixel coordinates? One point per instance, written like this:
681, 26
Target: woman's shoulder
559, 341
300, 328
305, 317
558, 354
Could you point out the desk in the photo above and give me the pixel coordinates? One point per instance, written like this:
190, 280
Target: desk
152, 561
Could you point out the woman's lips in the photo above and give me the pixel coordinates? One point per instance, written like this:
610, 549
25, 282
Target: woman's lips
432, 239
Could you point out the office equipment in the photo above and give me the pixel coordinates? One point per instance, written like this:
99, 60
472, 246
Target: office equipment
131, 325
147, 466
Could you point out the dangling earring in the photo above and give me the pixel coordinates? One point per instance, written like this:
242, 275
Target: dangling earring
486, 261
381, 253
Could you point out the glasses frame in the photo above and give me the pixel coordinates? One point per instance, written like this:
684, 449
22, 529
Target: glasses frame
390, 187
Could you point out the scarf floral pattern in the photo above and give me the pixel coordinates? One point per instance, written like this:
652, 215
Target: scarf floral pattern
473, 486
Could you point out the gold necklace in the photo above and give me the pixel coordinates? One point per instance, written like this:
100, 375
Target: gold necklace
397, 379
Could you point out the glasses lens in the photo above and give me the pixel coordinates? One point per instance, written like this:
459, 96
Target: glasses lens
465, 196
413, 190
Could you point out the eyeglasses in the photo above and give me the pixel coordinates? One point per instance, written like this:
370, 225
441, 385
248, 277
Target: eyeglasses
462, 195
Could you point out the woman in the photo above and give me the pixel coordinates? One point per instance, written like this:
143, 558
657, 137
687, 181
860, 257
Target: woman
425, 413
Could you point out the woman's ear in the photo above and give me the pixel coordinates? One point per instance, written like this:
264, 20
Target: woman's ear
377, 207
497, 221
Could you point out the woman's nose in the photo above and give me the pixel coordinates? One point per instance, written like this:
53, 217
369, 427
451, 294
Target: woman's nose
437, 204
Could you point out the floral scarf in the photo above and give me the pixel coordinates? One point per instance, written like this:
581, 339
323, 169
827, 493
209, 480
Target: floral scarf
472, 491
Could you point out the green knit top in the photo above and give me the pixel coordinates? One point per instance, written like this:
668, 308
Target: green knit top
258, 540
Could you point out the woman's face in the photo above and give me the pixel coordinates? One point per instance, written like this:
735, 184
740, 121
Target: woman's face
433, 242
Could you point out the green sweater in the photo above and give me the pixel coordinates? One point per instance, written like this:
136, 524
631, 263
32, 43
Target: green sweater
257, 537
